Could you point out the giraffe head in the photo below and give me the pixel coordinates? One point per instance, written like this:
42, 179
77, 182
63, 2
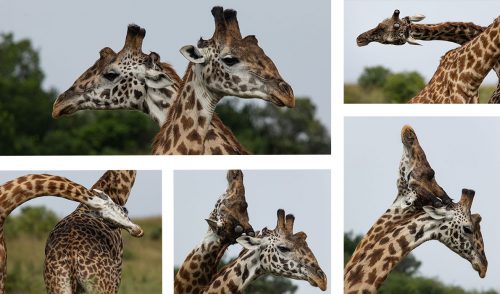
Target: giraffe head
392, 30
129, 79
104, 207
236, 66
416, 173
460, 230
229, 219
283, 253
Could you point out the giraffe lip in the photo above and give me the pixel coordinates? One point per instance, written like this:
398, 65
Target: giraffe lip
60, 109
481, 270
281, 101
136, 231
318, 280
361, 42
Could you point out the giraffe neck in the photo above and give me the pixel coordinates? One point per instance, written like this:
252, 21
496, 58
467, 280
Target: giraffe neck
156, 105
117, 184
479, 56
158, 101
395, 234
22, 189
189, 117
237, 275
462, 70
456, 32
200, 265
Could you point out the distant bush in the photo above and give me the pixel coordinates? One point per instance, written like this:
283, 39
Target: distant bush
35, 221
401, 87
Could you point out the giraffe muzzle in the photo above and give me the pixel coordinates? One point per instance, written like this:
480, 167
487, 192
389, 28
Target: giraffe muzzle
282, 94
317, 278
136, 231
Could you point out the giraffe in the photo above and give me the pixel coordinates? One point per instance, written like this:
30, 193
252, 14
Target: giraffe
226, 64
83, 254
129, 80
227, 221
409, 222
398, 31
17, 191
279, 252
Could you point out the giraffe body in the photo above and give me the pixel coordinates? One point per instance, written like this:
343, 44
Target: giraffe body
83, 254
226, 64
22, 189
227, 221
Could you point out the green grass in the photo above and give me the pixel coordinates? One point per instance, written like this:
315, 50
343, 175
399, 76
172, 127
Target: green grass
485, 93
355, 94
141, 262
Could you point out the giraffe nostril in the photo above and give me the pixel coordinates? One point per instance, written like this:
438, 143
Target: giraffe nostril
251, 233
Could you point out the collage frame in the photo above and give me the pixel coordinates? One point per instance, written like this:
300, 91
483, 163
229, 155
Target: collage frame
334, 162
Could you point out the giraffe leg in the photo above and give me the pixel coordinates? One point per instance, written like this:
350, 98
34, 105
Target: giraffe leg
57, 274
495, 98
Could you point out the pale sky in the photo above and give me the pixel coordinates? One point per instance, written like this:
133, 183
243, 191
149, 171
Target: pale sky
464, 154
144, 200
362, 15
69, 34
304, 193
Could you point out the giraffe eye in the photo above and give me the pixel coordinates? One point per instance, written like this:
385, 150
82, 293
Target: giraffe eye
110, 76
283, 249
467, 230
230, 61
396, 25
125, 210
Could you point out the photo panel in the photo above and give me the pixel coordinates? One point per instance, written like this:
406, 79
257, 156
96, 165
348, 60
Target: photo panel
253, 208
101, 231
409, 180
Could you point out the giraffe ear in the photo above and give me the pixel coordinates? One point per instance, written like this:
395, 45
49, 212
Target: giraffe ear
249, 242
436, 213
416, 18
212, 224
157, 79
192, 54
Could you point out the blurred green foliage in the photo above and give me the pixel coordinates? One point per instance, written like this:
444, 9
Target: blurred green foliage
25, 236
405, 278
268, 129
36, 221
29, 129
373, 77
379, 85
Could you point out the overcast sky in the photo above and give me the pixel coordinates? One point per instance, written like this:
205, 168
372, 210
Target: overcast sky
144, 200
294, 34
304, 193
362, 15
464, 154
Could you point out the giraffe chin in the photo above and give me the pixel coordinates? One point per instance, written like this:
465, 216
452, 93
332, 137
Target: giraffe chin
136, 231
60, 110
317, 282
481, 270
282, 101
